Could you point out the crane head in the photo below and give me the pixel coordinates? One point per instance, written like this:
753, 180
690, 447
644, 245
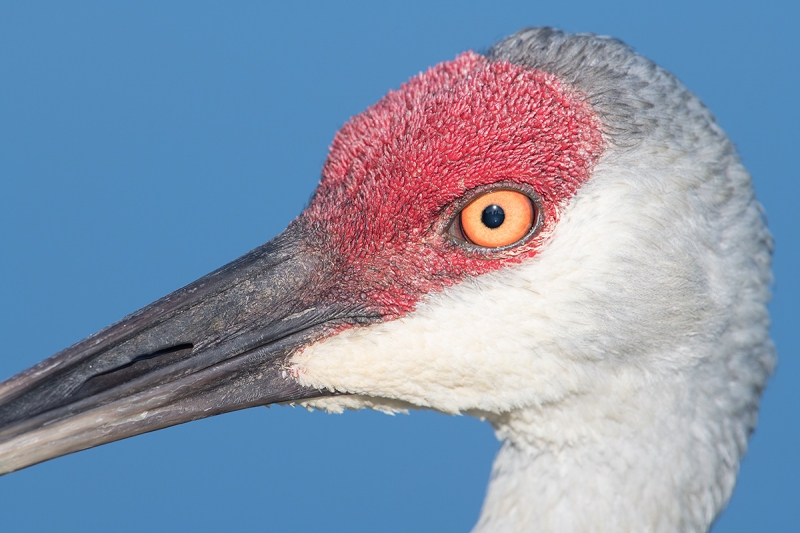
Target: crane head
556, 227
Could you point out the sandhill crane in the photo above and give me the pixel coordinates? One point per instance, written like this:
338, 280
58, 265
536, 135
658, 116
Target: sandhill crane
555, 236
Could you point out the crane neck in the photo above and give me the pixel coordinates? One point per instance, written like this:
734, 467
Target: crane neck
657, 462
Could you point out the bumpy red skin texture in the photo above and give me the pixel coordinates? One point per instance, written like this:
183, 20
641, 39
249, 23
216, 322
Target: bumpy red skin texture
395, 171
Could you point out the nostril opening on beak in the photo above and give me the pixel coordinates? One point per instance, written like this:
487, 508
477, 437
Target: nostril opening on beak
172, 350
38, 400
138, 366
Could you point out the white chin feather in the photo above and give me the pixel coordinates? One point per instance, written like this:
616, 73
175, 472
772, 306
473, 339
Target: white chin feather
339, 404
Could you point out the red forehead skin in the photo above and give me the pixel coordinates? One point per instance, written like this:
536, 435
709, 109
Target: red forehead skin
394, 170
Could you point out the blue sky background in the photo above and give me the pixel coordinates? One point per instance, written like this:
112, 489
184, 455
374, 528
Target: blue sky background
144, 144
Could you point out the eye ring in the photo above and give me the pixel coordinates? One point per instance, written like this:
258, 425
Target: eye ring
495, 218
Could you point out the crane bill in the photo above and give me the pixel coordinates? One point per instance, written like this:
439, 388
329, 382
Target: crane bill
219, 344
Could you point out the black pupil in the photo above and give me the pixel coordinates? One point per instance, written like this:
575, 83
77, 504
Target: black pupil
493, 216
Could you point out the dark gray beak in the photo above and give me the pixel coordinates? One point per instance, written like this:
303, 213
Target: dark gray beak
217, 345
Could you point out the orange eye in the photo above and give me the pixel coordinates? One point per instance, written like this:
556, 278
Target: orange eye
497, 219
